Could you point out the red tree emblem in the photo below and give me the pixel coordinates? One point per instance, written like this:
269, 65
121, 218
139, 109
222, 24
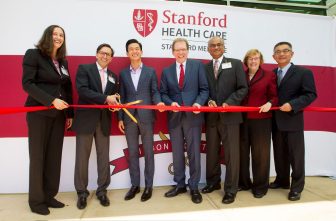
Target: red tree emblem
144, 21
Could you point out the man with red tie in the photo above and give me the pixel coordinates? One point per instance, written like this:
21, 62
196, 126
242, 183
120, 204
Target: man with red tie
184, 83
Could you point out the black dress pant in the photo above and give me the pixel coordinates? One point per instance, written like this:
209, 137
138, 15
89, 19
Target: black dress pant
289, 152
45, 137
255, 139
228, 135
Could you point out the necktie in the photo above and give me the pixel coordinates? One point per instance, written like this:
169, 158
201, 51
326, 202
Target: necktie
102, 78
216, 69
280, 76
181, 79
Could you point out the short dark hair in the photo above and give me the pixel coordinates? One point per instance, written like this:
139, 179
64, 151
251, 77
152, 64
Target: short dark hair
105, 45
131, 41
46, 44
283, 43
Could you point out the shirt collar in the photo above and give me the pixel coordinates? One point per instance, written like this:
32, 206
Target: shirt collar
285, 69
100, 68
184, 64
220, 59
134, 70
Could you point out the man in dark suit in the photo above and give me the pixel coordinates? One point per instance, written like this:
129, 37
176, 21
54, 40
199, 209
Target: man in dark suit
139, 82
95, 85
184, 83
228, 86
296, 90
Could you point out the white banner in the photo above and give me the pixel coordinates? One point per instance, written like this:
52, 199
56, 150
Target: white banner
88, 23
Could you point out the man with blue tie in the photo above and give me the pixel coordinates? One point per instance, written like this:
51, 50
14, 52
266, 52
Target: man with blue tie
139, 82
296, 90
184, 83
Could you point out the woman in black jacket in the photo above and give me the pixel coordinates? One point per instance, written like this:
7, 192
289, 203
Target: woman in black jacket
47, 81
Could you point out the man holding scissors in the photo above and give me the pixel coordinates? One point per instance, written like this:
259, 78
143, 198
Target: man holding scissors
95, 84
138, 121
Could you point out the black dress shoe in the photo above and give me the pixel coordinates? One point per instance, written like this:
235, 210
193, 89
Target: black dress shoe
211, 187
147, 194
229, 198
175, 191
81, 202
275, 185
258, 195
104, 200
53, 203
41, 209
132, 192
196, 197
293, 196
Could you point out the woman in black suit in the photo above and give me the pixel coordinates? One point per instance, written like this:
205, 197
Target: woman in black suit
46, 80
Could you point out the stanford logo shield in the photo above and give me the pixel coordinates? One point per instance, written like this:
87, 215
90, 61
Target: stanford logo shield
144, 21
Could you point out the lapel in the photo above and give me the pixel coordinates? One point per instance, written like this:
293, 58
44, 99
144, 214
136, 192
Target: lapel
258, 76
128, 78
211, 71
50, 61
187, 72
288, 74
142, 76
96, 77
108, 84
225, 60
174, 77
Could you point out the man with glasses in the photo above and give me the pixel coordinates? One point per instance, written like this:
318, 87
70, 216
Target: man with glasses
296, 90
184, 84
95, 84
227, 86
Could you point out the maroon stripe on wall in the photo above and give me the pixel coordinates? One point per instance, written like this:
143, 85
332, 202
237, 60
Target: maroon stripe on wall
12, 94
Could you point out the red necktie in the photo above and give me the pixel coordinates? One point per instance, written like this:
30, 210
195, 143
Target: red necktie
181, 79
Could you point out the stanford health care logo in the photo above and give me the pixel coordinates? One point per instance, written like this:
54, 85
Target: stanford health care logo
144, 21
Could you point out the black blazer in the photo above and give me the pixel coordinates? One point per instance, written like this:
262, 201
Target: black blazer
89, 90
43, 83
298, 89
230, 87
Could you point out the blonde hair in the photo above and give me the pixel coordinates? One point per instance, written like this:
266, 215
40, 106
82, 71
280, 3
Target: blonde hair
252, 52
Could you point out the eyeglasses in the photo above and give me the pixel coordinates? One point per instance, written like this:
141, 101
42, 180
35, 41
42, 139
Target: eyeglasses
215, 45
105, 54
254, 59
285, 51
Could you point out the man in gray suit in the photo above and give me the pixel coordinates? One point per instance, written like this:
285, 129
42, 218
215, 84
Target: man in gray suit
138, 82
228, 86
184, 83
95, 85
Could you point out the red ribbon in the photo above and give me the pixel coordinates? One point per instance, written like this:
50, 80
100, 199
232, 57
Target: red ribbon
12, 110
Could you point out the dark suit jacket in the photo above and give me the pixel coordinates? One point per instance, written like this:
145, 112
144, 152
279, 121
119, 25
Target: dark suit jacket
195, 90
89, 90
230, 87
298, 89
147, 91
43, 83
262, 89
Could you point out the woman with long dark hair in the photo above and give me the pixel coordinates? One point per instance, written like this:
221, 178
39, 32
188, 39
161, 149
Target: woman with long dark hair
47, 81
